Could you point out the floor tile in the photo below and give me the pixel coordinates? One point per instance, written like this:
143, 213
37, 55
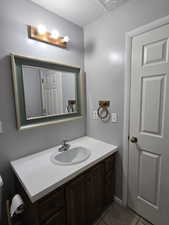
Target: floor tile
99, 222
118, 215
106, 210
102, 223
143, 222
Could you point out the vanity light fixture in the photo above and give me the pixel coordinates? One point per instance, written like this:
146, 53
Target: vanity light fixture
66, 39
40, 33
55, 34
41, 29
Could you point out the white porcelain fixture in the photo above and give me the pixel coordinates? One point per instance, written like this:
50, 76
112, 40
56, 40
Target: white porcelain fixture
70, 157
39, 176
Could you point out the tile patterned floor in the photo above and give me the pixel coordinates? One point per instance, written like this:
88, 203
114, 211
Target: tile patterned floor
117, 215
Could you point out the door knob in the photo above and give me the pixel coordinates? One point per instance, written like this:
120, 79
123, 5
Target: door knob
133, 139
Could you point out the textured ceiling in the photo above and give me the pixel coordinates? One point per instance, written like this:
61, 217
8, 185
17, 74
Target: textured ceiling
111, 4
80, 12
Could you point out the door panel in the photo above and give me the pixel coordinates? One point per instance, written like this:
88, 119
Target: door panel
155, 52
149, 121
152, 96
149, 164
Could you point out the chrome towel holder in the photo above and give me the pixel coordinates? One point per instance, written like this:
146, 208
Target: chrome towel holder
102, 111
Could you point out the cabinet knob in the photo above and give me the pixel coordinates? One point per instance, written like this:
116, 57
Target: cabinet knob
133, 139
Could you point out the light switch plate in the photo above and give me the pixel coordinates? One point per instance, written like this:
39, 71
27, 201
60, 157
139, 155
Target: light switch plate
114, 118
95, 116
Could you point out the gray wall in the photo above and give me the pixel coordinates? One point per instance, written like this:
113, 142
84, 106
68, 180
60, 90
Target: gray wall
104, 65
14, 16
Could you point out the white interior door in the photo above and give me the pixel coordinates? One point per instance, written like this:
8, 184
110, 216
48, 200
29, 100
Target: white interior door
148, 192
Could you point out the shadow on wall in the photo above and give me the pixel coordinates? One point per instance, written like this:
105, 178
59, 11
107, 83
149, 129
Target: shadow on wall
89, 47
75, 47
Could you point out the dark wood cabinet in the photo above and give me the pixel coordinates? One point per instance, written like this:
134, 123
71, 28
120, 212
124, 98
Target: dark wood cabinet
94, 193
78, 202
109, 179
109, 187
75, 201
50, 205
89, 199
85, 197
56, 219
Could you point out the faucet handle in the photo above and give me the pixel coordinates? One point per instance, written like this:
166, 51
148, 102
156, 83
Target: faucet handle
65, 146
64, 142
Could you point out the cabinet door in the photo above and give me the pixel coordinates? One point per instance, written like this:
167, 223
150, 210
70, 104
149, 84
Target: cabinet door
50, 205
76, 202
109, 187
98, 188
94, 193
57, 219
89, 199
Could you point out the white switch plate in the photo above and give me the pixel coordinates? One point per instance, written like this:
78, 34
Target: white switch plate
95, 116
114, 118
1, 130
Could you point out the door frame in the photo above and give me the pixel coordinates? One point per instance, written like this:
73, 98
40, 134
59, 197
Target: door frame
126, 126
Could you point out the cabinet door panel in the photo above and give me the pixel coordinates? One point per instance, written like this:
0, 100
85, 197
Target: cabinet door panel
109, 187
57, 219
98, 188
51, 204
94, 193
109, 163
89, 199
76, 202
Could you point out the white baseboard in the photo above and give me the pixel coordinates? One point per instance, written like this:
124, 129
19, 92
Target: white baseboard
118, 200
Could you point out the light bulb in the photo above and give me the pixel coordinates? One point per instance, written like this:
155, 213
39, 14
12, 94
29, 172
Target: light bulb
41, 29
55, 34
66, 39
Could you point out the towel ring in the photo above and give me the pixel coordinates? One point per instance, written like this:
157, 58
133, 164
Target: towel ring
70, 106
102, 112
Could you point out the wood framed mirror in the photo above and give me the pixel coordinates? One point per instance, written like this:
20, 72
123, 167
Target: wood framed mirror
46, 92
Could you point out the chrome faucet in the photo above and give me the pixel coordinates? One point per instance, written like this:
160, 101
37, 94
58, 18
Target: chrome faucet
65, 146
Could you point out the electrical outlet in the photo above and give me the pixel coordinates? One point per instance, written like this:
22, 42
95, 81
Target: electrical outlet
95, 116
114, 118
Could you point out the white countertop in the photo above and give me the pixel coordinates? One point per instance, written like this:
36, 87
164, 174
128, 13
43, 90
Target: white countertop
39, 176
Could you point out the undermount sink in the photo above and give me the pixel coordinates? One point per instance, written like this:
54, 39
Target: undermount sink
72, 156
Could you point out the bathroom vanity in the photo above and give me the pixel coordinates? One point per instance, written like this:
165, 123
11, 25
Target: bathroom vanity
66, 194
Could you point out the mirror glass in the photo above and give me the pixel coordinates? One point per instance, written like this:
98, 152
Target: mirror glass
48, 92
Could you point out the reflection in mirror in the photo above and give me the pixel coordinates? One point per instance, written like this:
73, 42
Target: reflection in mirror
48, 92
